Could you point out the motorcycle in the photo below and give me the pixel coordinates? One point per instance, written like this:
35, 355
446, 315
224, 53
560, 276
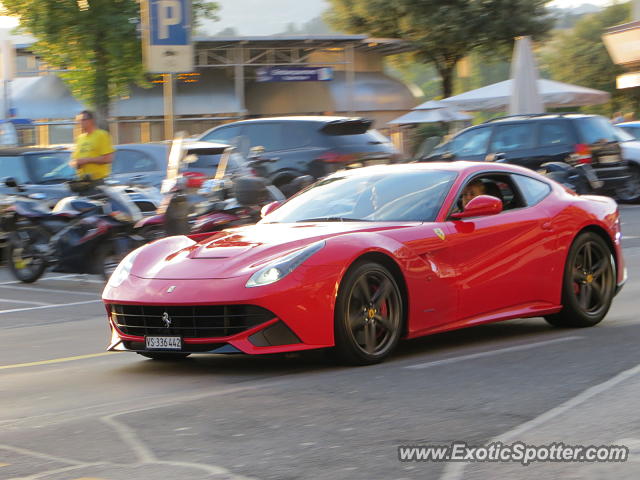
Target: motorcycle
580, 178
223, 201
86, 233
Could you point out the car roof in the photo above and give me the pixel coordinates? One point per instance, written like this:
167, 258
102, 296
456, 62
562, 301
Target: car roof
295, 118
11, 151
459, 166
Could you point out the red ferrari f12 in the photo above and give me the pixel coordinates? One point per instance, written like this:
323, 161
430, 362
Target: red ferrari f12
367, 257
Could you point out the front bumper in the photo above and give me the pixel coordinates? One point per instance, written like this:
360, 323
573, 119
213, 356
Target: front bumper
302, 305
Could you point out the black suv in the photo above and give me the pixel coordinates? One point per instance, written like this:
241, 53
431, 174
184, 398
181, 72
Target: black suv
531, 140
307, 145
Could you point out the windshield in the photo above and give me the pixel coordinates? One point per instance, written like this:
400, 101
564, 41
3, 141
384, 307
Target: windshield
379, 196
50, 167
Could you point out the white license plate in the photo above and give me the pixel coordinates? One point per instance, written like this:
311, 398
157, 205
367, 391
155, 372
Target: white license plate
609, 159
163, 343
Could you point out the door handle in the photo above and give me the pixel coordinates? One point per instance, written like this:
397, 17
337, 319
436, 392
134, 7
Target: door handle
547, 226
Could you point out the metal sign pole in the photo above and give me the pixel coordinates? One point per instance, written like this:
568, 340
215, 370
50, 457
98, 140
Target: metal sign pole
169, 117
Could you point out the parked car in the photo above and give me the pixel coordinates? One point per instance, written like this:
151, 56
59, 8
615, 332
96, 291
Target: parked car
307, 145
147, 162
531, 140
632, 128
631, 153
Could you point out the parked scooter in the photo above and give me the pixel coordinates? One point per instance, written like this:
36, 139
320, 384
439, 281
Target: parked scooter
223, 201
87, 233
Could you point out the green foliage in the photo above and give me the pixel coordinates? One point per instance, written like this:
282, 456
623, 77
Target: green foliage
95, 42
579, 56
444, 31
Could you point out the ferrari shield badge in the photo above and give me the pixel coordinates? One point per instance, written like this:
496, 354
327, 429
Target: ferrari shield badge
440, 233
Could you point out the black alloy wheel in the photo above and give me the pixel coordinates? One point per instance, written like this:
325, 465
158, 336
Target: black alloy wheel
368, 315
589, 283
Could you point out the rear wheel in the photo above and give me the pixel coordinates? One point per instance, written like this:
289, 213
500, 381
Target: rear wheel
25, 262
368, 315
165, 356
588, 285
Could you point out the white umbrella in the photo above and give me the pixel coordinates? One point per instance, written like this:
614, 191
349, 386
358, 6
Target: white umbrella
430, 112
554, 94
430, 116
525, 94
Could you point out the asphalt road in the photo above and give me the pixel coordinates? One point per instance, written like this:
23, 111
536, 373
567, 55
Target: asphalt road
69, 410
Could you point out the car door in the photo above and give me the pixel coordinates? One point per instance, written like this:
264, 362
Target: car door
556, 142
514, 143
500, 260
135, 166
468, 145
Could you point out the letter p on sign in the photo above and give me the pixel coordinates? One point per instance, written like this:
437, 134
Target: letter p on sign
169, 13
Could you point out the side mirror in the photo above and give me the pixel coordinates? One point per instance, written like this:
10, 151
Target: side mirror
10, 182
270, 207
480, 206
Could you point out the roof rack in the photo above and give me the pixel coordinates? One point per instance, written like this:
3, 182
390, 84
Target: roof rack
533, 115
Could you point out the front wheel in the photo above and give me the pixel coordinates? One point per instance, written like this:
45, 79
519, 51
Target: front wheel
25, 262
589, 283
369, 314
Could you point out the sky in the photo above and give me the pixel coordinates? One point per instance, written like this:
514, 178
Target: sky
234, 13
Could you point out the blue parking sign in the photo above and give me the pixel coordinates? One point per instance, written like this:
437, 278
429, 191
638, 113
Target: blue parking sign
167, 26
170, 22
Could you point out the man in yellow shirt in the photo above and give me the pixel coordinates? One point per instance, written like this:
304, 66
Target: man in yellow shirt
93, 153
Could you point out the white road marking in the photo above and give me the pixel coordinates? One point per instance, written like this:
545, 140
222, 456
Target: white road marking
14, 310
46, 290
489, 353
59, 277
11, 300
455, 471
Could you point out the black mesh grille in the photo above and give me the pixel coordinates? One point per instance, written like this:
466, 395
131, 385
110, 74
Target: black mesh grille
199, 321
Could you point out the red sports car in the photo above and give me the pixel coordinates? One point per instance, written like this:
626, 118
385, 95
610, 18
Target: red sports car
366, 257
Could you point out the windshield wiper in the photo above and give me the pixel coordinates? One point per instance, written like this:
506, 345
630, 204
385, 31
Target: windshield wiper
331, 219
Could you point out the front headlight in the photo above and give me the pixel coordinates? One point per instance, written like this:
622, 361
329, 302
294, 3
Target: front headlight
123, 269
282, 267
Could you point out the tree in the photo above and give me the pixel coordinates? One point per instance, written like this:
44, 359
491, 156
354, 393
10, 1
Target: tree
95, 43
579, 56
444, 31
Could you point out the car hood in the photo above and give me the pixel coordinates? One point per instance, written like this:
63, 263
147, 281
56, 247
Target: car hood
239, 251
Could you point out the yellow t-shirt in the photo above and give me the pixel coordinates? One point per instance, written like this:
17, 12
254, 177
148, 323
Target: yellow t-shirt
94, 144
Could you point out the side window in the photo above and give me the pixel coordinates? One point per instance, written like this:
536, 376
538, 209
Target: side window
555, 133
223, 134
532, 190
14, 167
512, 137
131, 161
267, 135
298, 134
472, 142
497, 185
